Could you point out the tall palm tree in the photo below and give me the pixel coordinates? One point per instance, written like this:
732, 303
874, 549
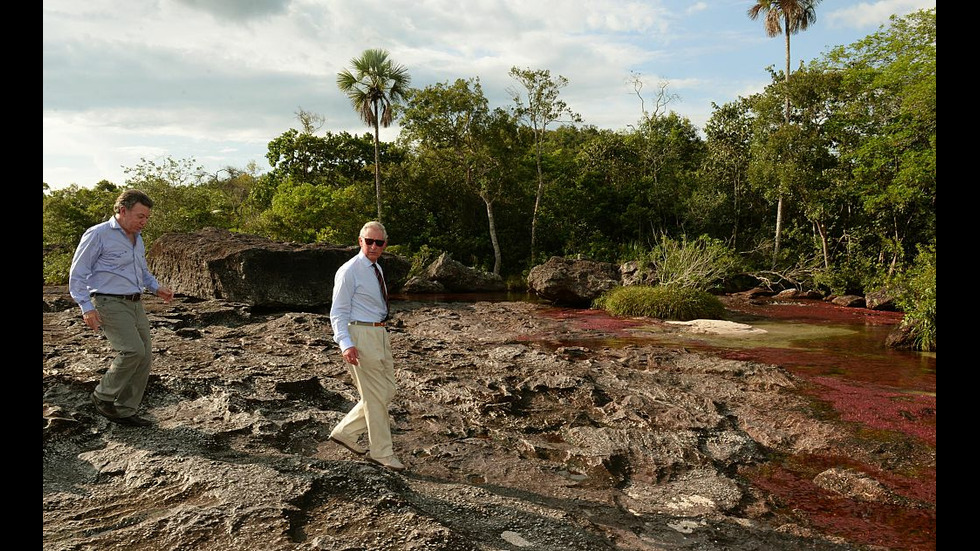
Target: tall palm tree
779, 17
374, 87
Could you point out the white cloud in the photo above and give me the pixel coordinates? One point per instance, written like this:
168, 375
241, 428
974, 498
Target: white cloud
874, 14
216, 80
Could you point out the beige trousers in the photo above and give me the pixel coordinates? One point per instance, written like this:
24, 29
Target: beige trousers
374, 377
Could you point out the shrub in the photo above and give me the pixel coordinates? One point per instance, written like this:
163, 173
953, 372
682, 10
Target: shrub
669, 302
699, 264
57, 265
849, 277
918, 300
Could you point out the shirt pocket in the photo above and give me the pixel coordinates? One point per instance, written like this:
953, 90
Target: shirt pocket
116, 260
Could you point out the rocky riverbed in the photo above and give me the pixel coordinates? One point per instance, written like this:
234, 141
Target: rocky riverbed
512, 440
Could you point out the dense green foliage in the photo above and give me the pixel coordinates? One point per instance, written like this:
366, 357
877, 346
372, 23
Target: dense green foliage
918, 299
851, 165
668, 302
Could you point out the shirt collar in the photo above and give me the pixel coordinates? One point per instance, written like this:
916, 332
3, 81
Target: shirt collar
363, 259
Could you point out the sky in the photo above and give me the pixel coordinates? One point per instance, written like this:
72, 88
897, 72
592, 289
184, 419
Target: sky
214, 81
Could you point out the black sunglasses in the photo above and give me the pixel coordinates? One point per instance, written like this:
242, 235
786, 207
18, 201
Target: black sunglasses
378, 242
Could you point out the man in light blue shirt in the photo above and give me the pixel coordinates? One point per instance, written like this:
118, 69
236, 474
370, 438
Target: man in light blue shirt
107, 279
358, 313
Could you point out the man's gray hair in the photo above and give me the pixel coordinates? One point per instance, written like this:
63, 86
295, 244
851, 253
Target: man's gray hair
375, 225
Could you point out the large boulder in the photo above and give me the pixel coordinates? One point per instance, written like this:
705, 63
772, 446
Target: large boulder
218, 264
455, 277
572, 282
851, 301
883, 299
633, 272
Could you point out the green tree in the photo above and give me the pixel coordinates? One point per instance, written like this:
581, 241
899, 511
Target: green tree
670, 153
184, 197
307, 213
336, 160
591, 209
230, 189
374, 88
453, 126
538, 103
721, 204
66, 214
785, 17
801, 157
887, 132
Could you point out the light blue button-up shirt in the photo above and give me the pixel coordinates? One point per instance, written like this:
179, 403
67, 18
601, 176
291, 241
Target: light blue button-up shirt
356, 297
106, 261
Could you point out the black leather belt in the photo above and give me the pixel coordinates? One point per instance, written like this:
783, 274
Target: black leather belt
368, 323
135, 297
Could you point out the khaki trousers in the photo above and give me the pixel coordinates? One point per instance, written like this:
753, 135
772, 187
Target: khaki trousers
127, 328
374, 377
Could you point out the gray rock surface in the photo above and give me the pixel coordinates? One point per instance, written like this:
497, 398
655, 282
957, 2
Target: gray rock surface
510, 442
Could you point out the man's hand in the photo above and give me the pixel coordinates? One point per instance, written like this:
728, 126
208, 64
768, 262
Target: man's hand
165, 293
92, 319
350, 355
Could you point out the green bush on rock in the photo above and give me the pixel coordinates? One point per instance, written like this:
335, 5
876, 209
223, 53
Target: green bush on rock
669, 302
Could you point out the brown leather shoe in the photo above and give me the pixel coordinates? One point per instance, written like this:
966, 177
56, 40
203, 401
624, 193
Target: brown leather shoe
390, 462
133, 421
352, 446
105, 408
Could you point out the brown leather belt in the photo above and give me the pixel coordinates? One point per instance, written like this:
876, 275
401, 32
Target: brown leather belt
368, 323
135, 297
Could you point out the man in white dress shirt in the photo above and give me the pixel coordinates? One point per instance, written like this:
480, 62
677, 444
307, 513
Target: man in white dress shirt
358, 313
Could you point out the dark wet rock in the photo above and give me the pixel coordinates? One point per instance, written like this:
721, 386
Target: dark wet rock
789, 294
218, 264
755, 292
901, 337
881, 299
510, 443
572, 282
421, 285
635, 273
455, 277
851, 301
55, 298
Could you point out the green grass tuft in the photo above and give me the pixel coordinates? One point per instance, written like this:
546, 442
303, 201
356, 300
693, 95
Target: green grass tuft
668, 302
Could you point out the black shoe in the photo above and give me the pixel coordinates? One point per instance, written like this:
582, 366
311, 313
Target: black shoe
133, 421
104, 407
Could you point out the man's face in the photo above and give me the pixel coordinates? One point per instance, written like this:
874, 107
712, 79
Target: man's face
375, 247
133, 219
